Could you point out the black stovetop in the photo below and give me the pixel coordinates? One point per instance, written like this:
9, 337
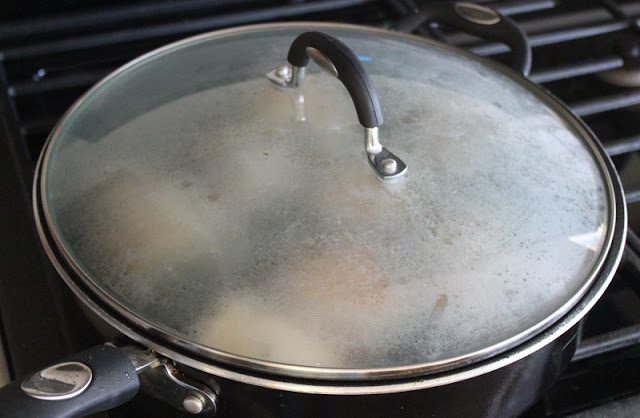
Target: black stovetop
51, 54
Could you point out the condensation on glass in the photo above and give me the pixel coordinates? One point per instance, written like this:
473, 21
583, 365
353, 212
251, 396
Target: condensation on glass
189, 190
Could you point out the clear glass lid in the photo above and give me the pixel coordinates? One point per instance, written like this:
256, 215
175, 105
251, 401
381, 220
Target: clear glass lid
217, 208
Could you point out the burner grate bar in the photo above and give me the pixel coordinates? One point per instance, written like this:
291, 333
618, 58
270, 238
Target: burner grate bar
87, 20
604, 104
631, 254
549, 23
633, 241
516, 7
37, 126
607, 342
175, 29
541, 39
554, 37
78, 80
401, 7
632, 196
505, 7
623, 146
574, 70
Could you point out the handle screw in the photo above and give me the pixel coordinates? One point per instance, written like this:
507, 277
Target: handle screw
283, 71
389, 166
193, 403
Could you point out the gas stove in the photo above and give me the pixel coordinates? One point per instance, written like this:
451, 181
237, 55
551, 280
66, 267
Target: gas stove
587, 53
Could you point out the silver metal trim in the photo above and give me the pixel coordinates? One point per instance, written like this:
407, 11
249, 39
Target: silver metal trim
287, 76
280, 76
52, 383
297, 76
371, 141
169, 385
141, 358
469, 11
340, 381
387, 166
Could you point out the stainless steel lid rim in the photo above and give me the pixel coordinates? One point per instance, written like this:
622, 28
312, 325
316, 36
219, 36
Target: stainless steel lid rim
330, 374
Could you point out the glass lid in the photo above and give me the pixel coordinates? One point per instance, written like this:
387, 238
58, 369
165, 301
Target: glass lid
201, 200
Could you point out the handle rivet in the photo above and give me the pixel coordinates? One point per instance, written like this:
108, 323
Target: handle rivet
284, 71
193, 403
389, 166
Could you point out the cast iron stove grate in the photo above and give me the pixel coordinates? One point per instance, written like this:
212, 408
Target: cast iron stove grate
49, 56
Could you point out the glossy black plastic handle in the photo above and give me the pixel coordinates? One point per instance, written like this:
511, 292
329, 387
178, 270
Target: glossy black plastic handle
114, 381
348, 70
478, 20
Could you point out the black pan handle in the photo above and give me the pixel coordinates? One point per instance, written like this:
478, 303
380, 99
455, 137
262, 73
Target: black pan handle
338, 60
91, 381
478, 20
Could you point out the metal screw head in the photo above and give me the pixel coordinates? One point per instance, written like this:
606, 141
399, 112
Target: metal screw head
284, 71
389, 166
193, 403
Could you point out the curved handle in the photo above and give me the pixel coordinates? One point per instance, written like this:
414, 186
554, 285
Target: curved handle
478, 20
338, 60
94, 380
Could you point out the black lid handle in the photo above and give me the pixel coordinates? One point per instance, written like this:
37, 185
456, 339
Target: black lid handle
337, 59
478, 20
